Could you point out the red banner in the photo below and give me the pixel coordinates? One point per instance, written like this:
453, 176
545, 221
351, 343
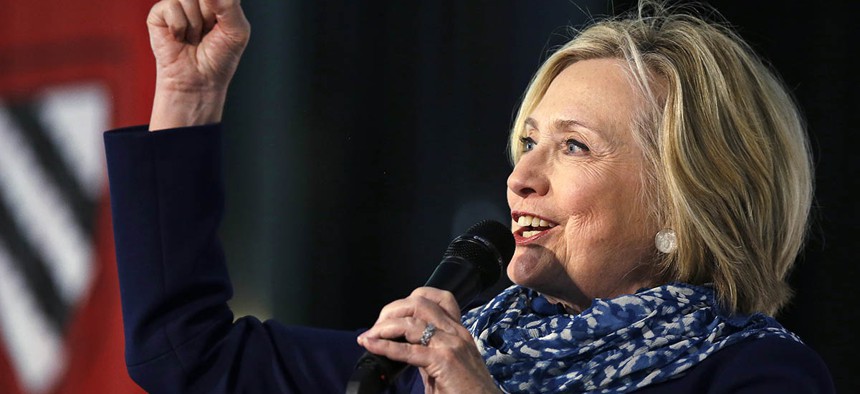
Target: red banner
68, 70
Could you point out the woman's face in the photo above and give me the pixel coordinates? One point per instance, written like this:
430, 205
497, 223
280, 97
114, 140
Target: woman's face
578, 219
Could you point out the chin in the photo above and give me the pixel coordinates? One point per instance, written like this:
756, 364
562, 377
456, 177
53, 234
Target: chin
547, 278
529, 272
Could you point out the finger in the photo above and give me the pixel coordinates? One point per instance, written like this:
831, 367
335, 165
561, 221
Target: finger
442, 347
407, 327
398, 351
389, 310
174, 18
209, 17
191, 8
442, 298
421, 308
228, 14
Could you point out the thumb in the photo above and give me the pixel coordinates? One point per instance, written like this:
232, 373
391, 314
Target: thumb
229, 16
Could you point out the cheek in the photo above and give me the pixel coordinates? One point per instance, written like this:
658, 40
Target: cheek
597, 234
584, 220
600, 207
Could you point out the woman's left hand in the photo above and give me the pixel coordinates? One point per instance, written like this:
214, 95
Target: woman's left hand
450, 362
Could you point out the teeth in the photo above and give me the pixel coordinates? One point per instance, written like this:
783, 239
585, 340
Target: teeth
531, 221
527, 234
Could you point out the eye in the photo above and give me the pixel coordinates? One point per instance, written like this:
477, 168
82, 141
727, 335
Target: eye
573, 146
527, 143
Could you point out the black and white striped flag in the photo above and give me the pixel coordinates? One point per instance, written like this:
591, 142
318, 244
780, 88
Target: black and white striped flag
51, 179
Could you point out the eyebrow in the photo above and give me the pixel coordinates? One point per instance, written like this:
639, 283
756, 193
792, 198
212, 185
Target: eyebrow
560, 124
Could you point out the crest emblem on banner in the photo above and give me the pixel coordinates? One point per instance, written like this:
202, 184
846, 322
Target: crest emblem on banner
68, 72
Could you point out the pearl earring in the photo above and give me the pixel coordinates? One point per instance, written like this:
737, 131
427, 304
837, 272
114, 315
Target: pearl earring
666, 241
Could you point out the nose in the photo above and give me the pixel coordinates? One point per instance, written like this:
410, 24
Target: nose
529, 177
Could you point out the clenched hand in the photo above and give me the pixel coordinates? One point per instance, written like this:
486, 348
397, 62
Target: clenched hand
197, 46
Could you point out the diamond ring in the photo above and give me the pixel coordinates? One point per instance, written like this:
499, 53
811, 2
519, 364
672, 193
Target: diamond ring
428, 333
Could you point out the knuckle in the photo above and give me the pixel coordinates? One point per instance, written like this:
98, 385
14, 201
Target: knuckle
390, 307
421, 301
426, 291
447, 354
173, 15
448, 297
452, 329
159, 9
460, 346
462, 332
383, 330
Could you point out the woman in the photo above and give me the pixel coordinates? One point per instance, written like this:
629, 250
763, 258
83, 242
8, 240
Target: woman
659, 197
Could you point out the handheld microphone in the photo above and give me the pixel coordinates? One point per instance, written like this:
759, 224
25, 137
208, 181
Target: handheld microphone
473, 263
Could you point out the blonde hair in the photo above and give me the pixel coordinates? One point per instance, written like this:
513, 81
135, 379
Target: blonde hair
727, 162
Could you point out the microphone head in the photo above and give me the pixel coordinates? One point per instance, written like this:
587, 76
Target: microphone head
489, 245
495, 234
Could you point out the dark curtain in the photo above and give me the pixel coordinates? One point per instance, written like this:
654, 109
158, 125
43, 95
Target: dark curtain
363, 137
814, 47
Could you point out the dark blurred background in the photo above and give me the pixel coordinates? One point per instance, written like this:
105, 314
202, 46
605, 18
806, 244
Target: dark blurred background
363, 137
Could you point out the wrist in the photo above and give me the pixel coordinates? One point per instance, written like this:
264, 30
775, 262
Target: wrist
174, 108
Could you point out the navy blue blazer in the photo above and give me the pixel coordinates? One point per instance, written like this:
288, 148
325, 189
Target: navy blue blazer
167, 199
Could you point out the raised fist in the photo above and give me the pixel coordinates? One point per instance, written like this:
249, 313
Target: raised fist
197, 46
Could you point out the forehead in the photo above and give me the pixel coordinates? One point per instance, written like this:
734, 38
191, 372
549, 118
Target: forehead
596, 93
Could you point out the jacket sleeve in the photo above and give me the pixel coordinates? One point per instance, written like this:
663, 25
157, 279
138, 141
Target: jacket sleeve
167, 201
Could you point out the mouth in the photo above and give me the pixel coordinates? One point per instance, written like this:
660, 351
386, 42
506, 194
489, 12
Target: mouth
530, 227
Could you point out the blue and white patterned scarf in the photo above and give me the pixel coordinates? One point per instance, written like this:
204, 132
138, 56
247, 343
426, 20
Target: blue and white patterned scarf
616, 345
